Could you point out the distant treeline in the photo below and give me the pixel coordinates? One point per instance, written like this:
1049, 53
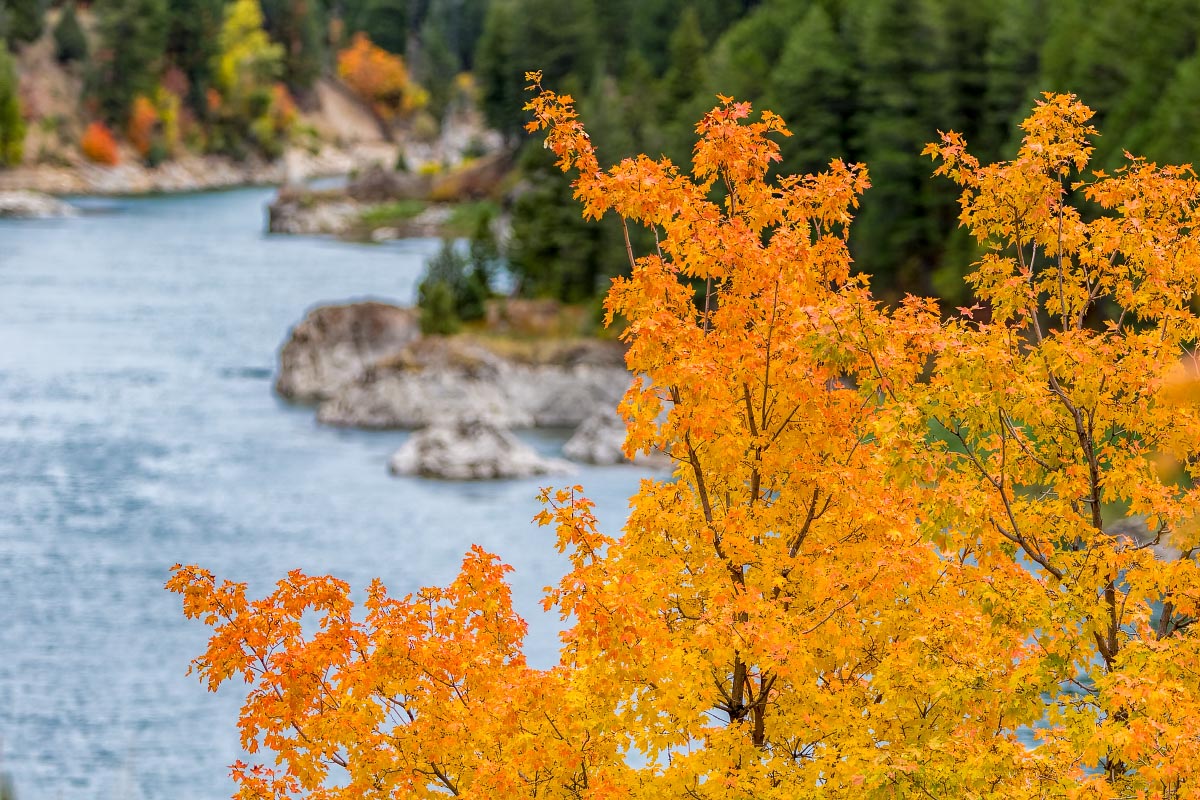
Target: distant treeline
863, 80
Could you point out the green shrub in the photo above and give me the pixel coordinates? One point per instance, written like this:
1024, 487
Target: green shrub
436, 300
12, 122
391, 213
157, 154
454, 290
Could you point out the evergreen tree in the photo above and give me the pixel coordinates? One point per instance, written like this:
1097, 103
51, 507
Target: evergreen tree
638, 96
651, 25
26, 20
436, 65
1158, 40
615, 18
460, 24
192, 45
742, 60
129, 60
12, 123
388, 23
500, 80
685, 70
454, 289
812, 88
551, 254
717, 15
1173, 131
897, 237
960, 30
299, 27
605, 107
70, 43
681, 99
558, 37
1011, 63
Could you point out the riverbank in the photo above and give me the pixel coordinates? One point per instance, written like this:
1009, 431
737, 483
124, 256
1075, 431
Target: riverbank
193, 173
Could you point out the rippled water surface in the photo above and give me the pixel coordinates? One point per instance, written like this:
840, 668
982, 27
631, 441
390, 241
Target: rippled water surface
138, 429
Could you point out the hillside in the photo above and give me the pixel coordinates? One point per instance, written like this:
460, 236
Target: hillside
256, 128
868, 81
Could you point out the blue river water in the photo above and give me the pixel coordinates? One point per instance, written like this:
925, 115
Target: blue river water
138, 429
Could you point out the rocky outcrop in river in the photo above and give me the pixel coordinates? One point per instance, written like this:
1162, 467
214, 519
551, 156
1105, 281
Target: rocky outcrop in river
367, 366
344, 212
438, 378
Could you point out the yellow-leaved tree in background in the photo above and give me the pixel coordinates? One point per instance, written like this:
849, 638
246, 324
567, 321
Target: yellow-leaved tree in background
881, 567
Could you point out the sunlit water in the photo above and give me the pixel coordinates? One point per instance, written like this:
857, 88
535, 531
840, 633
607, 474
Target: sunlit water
138, 429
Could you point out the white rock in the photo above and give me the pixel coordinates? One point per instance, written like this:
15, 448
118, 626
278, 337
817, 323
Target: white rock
32, 205
598, 440
601, 440
470, 450
385, 234
295, 217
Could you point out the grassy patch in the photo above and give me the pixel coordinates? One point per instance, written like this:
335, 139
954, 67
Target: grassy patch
389, 214
468, 218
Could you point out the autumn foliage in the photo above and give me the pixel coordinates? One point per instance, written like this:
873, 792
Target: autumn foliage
143, 123
891, 561
379, 77
99, 146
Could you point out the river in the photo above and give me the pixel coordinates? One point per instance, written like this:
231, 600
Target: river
138, 429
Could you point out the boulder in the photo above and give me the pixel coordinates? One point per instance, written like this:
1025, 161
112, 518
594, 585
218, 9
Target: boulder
567, 396
379, 185
470, 450
32, 205
601, 439
598, 440
335, 345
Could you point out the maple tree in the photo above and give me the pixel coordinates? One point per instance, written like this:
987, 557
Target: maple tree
1072, 403
881, 566
98, 144
143, 122
379, 77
